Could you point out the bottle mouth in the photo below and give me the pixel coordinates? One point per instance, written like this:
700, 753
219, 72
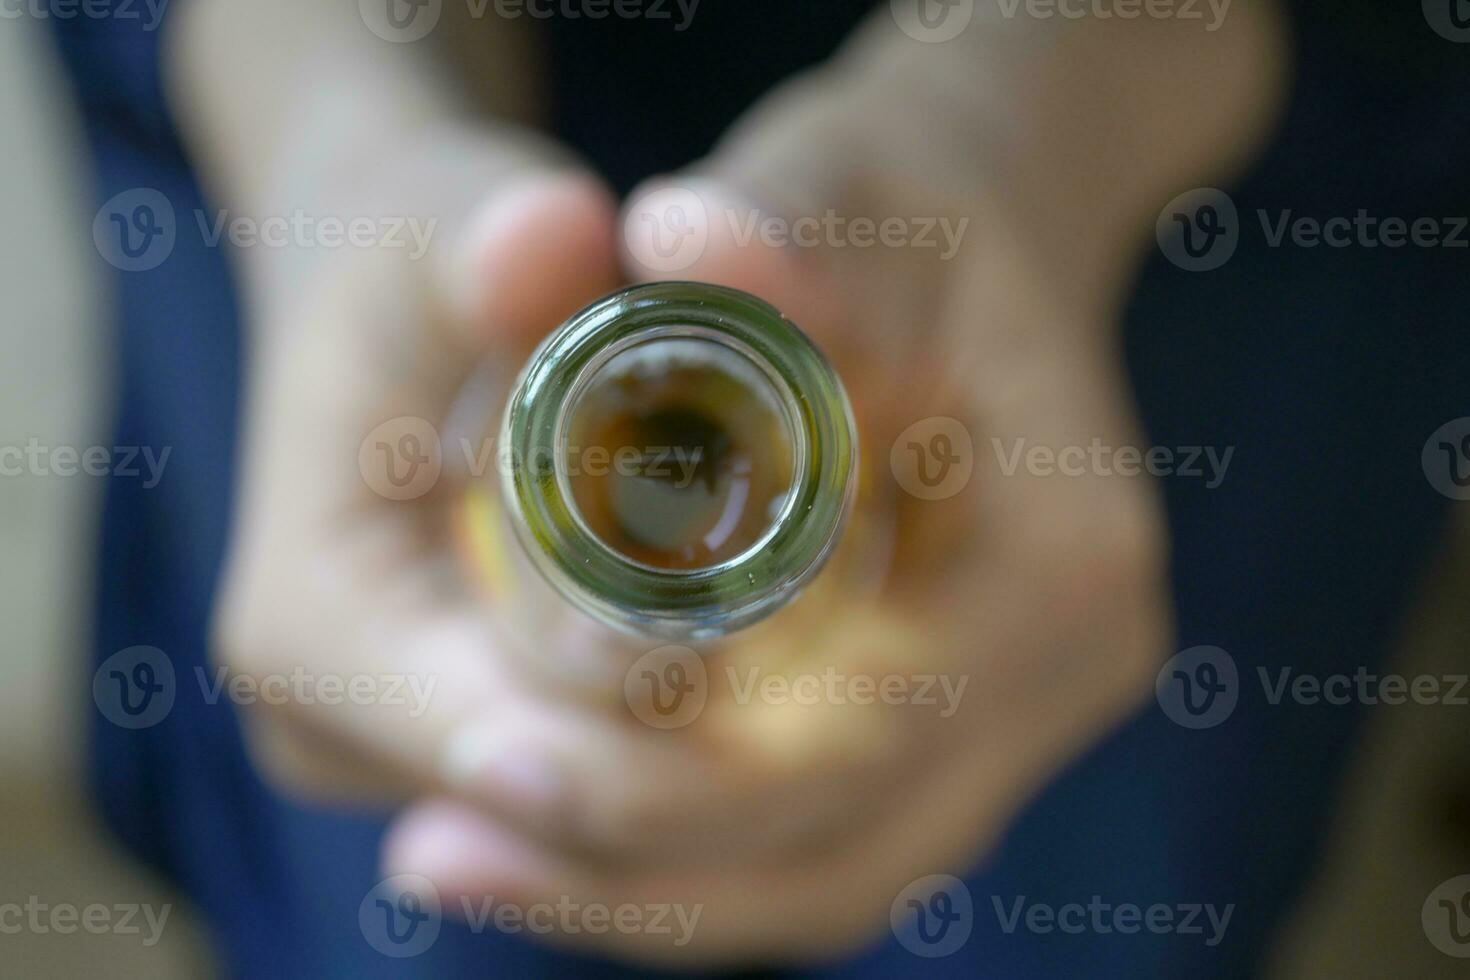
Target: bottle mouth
682, 459
679, 450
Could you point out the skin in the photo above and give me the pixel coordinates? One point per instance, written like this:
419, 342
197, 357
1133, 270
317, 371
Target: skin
794, 827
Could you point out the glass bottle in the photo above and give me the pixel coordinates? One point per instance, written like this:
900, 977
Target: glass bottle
677, 461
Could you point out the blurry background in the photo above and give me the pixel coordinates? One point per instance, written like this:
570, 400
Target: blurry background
1404, 825
55, 388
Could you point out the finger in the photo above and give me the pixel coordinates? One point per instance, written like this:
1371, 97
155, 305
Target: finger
619, 792
741, 773
807, 905
330, 576
831, 202
853, 140
706, 219
530, 256
814, 902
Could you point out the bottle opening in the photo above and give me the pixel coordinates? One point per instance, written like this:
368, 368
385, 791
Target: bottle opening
678, 453
682, 460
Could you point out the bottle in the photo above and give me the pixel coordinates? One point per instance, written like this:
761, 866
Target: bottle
677, 461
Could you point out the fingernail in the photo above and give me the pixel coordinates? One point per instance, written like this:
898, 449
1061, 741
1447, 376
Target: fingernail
452, 846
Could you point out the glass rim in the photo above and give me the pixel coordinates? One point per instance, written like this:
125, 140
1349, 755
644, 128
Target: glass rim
684, 602
786, 403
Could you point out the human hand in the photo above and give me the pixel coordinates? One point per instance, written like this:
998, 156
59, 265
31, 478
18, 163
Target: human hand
794, 826
341, 567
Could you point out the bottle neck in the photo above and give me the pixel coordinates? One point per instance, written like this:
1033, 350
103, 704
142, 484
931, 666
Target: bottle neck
682, 460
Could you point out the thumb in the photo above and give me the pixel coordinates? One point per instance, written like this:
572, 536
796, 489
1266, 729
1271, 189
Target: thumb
531, 255
706, 229
811, 198
1053, 139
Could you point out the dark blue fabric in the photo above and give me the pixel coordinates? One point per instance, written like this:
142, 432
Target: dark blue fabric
1325, 368
640, 97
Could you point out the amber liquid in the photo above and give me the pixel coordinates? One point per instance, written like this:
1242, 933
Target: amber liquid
678, 454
